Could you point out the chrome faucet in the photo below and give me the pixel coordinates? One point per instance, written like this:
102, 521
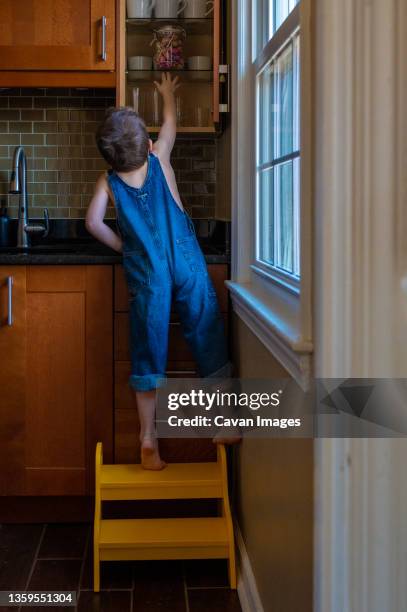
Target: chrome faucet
18, 184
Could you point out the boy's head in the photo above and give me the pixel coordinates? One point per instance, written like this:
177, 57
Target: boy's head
122, 139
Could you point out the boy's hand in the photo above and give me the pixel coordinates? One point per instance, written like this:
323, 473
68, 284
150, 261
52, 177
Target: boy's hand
168, 85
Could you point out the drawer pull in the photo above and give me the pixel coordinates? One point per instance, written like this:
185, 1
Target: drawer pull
103, 55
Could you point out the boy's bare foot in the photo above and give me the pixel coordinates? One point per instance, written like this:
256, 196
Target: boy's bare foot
150, 456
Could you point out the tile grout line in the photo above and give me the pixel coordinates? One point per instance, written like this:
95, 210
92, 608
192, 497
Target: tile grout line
37, 550
59, 558
185, 588
133, 585
85, 552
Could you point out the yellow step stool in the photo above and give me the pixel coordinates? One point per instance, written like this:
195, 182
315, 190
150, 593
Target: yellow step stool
165, 538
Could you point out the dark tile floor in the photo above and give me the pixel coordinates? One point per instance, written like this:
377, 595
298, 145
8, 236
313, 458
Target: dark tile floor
59, 557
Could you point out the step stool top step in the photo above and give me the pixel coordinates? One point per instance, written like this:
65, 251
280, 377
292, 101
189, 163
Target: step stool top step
168, 532
175, 474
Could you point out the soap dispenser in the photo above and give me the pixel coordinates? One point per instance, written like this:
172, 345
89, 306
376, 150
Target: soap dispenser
4, 226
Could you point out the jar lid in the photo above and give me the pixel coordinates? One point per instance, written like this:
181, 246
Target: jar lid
171, 29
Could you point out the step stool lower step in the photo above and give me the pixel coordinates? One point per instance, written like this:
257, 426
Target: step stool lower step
169, 538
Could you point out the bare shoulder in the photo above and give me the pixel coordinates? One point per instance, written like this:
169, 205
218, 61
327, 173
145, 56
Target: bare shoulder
102, 184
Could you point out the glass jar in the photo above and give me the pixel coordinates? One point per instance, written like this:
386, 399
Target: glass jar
168, 44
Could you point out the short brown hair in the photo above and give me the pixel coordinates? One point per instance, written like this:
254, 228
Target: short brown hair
122, 139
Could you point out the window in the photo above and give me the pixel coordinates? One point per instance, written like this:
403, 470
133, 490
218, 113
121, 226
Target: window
276, 62
272, 174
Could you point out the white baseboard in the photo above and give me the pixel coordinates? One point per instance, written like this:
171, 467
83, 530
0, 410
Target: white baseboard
246, 583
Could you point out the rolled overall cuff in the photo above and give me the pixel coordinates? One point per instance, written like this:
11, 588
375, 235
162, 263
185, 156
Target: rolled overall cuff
148, 382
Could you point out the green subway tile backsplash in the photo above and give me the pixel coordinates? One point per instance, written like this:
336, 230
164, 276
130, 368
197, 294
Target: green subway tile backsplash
57, 127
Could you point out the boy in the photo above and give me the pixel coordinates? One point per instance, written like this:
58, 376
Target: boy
161, 256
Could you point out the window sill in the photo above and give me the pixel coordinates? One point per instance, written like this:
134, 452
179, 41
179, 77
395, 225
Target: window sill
278, 331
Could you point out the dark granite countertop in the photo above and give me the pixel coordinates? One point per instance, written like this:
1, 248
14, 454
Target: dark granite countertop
69, 243
85, 254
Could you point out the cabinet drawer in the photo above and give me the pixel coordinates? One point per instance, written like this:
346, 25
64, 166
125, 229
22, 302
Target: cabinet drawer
217, 272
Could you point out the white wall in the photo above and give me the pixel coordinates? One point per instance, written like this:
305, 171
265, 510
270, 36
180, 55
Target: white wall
360, 308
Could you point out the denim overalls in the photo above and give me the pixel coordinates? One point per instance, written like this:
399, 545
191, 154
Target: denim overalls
163, 263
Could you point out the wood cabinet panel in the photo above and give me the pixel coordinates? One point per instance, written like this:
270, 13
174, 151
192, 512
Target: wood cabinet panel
56, 278
121, 294
12, 381
57, 384
99, 364
70, 481
127, 432
56, 379
124, 398
56, 35
62, 78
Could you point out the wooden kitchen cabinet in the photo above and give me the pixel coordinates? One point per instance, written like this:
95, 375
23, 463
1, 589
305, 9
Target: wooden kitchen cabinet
47, 36
56, 379
202, 95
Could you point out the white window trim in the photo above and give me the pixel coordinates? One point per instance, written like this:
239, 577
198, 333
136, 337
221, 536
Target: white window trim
277, 310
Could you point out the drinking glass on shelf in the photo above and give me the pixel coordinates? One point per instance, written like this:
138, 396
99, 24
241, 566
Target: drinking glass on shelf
201, 116
155, 115
179, 110
142, 104
136, 99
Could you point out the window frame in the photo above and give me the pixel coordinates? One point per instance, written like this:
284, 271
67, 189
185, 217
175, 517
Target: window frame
275, 47
278, 312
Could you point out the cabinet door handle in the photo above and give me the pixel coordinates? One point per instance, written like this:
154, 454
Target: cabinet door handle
103, 54
10, 300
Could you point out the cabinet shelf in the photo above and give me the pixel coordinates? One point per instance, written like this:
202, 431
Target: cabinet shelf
191, 26
199, 76
210, 129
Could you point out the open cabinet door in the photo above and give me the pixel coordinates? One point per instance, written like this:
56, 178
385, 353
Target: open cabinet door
220, 70
216, 59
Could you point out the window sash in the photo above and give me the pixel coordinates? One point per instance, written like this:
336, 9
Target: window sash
276, 258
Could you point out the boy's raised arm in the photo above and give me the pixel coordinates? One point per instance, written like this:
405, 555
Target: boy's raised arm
166, 138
